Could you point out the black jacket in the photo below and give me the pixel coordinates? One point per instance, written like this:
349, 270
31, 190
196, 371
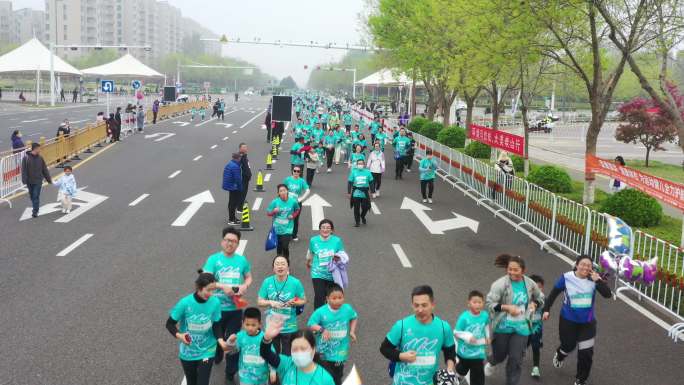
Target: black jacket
34, 169
246, 171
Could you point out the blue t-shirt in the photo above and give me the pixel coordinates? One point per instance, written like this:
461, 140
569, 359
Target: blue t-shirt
197, 319
578, 302
227, 270
253, 369
274, 290
337, 324
475, 326
283, 225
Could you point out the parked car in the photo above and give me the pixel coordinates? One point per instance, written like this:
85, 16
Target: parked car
182, 98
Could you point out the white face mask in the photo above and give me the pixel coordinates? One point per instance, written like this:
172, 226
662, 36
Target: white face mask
302, 359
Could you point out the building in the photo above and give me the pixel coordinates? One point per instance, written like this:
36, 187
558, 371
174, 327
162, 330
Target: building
6, 23
28, 23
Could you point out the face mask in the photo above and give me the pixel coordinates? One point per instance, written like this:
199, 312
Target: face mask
359, 166
302, 359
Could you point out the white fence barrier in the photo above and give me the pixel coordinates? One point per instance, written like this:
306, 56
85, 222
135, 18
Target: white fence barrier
10, 170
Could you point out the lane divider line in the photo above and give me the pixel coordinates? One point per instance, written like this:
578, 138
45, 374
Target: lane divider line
225, 138
205, 122
374, 208
74, 245
402, 256
257, 204
138, 200
250, 121
175, 174
267, 177
241, 247
235, 132
213, 147
198, 157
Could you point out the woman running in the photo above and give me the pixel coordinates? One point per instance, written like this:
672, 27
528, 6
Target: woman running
298, 189
359, 183
198, 316
376, 165
281, 294
510, 300
312, 162
577, 324
356, 156
323, 248
284, 209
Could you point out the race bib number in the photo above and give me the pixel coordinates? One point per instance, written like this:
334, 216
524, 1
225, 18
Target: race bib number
199, 327
229, 276
252, 359
337, 334
282, 221
429, 360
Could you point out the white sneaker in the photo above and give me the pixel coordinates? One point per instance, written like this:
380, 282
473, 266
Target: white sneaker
68, 211
489, 369
535, 372
429, 200
377, 193
63, 211
556, 362
329, 170
424, 200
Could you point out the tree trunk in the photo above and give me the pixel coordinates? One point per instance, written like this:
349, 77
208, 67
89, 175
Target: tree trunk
447, 101
495, 106
648, 153
526, 134
590, 149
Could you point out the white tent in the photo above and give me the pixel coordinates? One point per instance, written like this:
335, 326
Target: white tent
384, 78
33, 56
126, 65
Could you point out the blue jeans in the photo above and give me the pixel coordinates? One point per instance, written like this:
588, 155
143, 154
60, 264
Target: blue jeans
34, 194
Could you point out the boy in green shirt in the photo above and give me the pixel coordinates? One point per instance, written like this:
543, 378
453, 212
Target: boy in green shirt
472, 333
253, 369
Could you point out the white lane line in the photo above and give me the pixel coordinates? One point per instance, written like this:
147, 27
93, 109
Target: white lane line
374, 208
214, 146
34, 120
138, 199
175, 174
228, 113
257, 204
36, 134
250, 121
205, 122
74, 245
402, 256
198, 157
241, 247
225, 138
235, 132
267, 177
78, 121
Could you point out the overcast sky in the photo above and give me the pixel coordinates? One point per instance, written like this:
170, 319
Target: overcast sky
296, 20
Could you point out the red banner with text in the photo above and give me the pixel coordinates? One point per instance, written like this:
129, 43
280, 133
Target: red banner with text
499, 139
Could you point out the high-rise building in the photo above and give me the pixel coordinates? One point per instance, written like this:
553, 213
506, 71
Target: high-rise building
6, 24
28, 23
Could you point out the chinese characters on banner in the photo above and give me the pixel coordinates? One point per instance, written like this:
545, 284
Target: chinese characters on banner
499, 139
669, 192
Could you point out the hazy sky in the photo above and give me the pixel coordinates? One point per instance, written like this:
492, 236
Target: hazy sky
296, 20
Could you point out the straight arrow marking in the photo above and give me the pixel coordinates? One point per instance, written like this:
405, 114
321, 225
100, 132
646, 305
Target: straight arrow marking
196, 202
316, 202
74, 245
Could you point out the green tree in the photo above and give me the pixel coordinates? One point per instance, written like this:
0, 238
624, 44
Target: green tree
288, 83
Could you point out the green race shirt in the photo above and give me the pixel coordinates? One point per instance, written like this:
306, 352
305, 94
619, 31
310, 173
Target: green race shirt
283, 225
322, 252
354, 157
401, 145
253, 369
336, 322
297, 159
347, 119
196, 319
274, 290
516, 324
476, 325
227, 270
427, 168
380, 137
290, 375
427, 340
361, 178
296, 186
374, 126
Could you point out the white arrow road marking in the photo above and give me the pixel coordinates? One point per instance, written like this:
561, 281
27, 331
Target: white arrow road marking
263, 126
34, 120
175, 174
82, 202
205, 122
162, 135
316, 202
198, 157
185, 381
438, 227
225, 138
196, 202
374, 208
402, 256
182, 124
74, 245
257, 204
213, 147
241, 247
353, 377
267, 177
250, 121
227, 125
138, 200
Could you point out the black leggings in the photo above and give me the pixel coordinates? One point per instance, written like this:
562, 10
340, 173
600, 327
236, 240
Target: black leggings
329, 155
295, 231
476, 368
399, 170
234, 198
581, 335
320, 287
336, 370
197, 372
428, 185
377, 179
360, 209
310, 173
231, 322
284, 245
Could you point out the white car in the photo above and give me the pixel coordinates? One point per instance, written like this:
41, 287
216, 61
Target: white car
182, 98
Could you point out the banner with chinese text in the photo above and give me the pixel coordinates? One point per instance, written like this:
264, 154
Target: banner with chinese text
499, 139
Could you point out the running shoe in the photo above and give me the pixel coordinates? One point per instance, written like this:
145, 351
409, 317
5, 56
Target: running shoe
377, 193
535, 372
489, 369
363, 220
424, 200
68, 211
429, 200
557, 363
356, 225
329, 170
296, 239
580, 382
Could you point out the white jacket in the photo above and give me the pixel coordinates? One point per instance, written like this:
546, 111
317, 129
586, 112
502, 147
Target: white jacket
376, 162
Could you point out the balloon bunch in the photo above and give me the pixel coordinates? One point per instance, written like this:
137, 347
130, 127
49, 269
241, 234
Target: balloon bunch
617, 260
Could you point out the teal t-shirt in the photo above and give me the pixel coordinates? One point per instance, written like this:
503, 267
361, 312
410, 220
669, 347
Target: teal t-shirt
516, 324
347, 119
360, 142
361, 178
290, 375
381, 137
374, 126
197, 319
427, 340
318, 134
354, 157
401, 145
296, 186
227, 270
336, 322
253, 369
476, 325
274, 290
284, 225
427, 168
297, 159
322, 252
355, 134
330, 140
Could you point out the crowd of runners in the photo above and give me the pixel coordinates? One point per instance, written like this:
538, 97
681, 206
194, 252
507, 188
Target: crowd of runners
272, 344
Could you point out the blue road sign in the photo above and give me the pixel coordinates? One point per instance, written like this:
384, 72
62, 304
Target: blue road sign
107, 86
135, 84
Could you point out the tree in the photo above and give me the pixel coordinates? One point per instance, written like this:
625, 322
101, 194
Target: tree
95, 58
288, 83
646, 123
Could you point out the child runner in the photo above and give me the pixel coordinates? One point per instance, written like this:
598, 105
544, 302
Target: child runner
253, 370
537, 328
472, 334
67, 189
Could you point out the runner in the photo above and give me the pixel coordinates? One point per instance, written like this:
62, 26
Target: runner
335, 326
401, 145
199, 316
413, 343
359, 183
577, 324
330, 140
427, 168
356, 156
253, 368
376, 165
410, 152
296, 156
233, 277
510, 299
347, 121
472, 332
299, 190
312, 162
283, 295
536, 338
284, 209
300, 369
323, 248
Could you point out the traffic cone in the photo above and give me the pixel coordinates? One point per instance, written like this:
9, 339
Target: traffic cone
245, 225
260, 182
274, 151
269, 162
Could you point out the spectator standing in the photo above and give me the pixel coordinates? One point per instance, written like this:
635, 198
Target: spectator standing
140, 119
61, 95
155, 111
246, 174
33, 171
17, 142
232, 182
75, 95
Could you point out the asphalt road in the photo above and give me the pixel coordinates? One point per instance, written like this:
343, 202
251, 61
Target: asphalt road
96, 313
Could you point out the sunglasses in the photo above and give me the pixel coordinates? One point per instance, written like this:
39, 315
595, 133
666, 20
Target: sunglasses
296, 171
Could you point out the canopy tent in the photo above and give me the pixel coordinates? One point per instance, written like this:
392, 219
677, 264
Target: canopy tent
384, 78
126, 65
